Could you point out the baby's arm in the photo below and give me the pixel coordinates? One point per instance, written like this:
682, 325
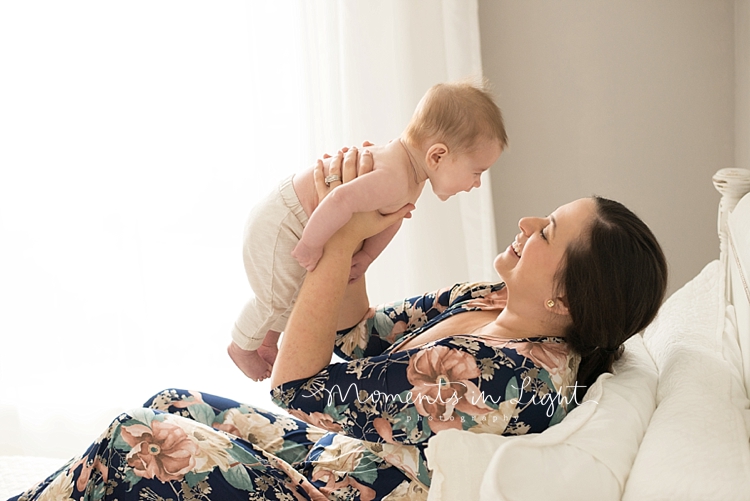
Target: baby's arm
371, 249
372, 191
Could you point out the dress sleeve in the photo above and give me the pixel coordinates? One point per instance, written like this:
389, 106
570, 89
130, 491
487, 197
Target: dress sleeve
387, 324
405, 397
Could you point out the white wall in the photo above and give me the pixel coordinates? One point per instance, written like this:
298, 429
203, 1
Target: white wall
628, 99
742, 83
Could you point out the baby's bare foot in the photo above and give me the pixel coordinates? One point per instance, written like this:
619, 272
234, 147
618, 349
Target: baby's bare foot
270, 347
268, 353
250, 362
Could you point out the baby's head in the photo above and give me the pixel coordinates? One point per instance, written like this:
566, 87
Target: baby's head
459, 130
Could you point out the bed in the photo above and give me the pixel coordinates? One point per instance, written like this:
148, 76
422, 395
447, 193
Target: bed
671, 423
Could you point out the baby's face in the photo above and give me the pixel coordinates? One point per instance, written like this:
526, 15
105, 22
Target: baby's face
463, 171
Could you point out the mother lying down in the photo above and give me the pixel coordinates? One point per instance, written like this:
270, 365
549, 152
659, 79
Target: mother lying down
510, 358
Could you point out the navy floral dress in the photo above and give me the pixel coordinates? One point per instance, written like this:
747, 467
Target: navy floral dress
357, 430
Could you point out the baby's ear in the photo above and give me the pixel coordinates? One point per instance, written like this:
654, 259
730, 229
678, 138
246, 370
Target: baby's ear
435, 155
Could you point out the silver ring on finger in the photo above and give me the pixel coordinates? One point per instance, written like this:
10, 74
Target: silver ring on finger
331, 179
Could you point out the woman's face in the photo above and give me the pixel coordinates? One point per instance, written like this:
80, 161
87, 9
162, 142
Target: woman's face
529, 264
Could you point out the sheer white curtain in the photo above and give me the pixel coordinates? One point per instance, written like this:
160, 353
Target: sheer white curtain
368, 64
134, 138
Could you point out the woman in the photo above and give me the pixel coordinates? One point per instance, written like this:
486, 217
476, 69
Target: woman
509, 358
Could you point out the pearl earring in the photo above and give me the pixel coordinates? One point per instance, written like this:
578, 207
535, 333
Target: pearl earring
550, 303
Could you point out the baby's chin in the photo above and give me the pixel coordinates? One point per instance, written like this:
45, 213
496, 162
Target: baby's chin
443, 198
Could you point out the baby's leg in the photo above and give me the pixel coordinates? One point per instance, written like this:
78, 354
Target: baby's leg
270, 347
250, 362
272, 231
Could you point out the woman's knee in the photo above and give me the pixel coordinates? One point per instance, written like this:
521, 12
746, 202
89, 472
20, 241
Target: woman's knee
165, 398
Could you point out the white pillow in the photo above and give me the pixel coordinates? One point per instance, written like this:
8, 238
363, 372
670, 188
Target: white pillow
687, 320
696, 447
587, 456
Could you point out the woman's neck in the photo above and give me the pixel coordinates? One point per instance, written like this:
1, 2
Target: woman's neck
510, 324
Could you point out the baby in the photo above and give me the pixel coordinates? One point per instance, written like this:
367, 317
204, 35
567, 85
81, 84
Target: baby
455, 134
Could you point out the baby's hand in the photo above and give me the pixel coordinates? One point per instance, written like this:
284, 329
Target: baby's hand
360, 262
307, 256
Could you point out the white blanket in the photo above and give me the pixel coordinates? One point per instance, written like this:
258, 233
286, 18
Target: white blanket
18, 473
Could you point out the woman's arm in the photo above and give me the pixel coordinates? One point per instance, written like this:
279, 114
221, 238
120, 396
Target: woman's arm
307, 343
371, 249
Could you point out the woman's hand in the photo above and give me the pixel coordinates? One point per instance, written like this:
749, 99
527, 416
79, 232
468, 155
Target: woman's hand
348, 164
345, 167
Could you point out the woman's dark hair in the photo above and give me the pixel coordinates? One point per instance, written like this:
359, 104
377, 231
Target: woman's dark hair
614, 282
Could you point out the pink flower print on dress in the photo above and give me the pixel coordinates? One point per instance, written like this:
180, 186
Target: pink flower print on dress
552, 357
440, 377
253, 427
316, 419
384, 429
163, 450
335, 464
88, 467
398, 329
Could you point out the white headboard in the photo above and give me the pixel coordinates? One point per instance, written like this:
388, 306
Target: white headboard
734, 242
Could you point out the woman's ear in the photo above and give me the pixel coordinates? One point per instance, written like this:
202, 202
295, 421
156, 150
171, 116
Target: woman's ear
435, 155
559, 306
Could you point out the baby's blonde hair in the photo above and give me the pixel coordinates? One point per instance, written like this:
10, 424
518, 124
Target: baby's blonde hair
458, 114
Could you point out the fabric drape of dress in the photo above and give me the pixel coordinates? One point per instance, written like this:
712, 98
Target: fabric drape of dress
132, 162
380, 408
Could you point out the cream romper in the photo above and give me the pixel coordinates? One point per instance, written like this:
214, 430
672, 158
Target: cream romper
273, 229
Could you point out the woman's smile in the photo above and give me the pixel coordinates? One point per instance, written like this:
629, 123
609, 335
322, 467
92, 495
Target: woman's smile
516, 248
